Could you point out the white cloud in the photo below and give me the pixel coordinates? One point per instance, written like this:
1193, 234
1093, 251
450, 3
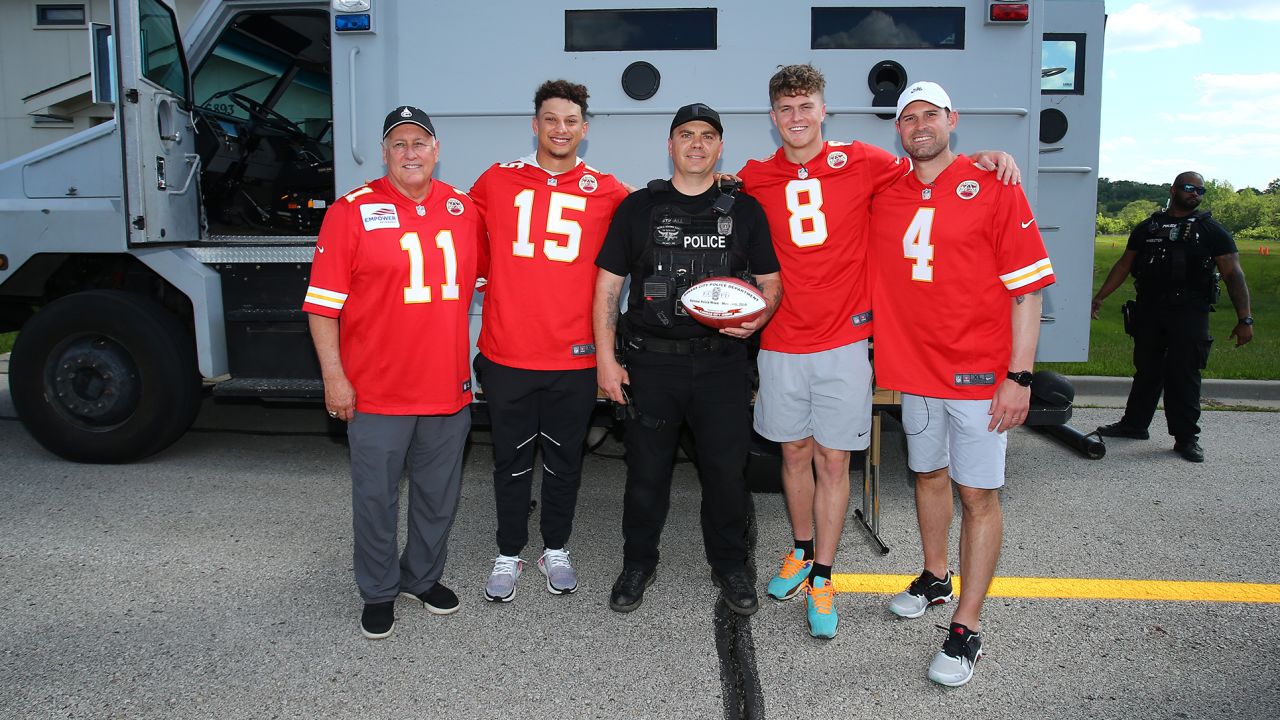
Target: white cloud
1262, 10
1164, 24
1145, 26
1240, 90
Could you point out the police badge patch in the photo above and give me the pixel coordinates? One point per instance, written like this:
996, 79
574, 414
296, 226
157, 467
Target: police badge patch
724, 225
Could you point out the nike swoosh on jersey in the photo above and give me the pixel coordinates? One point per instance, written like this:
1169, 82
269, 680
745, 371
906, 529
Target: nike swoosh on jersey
1027, 224
319, 249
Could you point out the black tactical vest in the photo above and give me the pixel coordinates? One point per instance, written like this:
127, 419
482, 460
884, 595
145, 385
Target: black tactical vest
682, 249
1174, 266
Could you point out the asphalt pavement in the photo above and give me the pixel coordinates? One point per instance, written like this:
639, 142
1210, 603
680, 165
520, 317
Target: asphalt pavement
214, 579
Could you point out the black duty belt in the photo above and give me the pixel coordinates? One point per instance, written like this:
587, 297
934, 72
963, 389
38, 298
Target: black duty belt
692, 346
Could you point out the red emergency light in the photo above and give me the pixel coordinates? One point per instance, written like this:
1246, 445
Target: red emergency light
1010, 12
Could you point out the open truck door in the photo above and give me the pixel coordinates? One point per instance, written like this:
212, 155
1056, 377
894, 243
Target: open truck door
153, 108
1070, 121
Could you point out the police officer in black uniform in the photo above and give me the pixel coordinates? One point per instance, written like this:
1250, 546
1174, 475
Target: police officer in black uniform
666, 237
1175, 257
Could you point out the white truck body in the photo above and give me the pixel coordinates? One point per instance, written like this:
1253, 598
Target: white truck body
202, 197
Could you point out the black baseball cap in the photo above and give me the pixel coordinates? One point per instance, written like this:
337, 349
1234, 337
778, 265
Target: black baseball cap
407, 114
697, 111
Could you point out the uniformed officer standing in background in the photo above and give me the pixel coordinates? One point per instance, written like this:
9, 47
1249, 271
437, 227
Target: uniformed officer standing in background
1175, 257
668, 236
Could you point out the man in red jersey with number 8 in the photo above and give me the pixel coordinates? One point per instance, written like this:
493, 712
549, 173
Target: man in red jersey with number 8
815, 376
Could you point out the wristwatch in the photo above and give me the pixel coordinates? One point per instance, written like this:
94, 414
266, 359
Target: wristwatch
1022, 377
1246, 320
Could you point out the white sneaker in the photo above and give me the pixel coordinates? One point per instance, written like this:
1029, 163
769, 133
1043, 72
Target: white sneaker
561, 577
924, 591
502, 581
953, 665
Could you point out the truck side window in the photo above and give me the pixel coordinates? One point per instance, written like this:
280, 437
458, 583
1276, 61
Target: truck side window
162, 60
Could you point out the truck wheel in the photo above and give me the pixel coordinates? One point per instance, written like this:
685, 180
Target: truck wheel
104, 376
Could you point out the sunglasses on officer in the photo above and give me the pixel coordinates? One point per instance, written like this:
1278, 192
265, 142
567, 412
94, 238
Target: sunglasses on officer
1188, 187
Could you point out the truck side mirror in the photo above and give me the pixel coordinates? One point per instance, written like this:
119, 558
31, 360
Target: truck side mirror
102, 63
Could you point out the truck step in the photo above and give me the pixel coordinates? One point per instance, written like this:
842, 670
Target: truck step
293, 388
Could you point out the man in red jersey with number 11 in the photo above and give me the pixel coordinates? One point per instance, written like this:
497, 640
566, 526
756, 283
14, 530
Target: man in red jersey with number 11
547, 214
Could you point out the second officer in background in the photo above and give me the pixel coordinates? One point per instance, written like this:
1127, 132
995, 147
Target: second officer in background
668, 236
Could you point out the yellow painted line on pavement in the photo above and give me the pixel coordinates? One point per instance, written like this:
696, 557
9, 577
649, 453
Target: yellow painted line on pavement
1083, 588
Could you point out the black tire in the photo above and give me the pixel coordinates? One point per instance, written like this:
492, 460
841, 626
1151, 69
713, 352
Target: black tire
104, 376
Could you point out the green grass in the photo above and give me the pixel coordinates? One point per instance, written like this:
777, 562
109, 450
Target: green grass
6, 341
1111, 351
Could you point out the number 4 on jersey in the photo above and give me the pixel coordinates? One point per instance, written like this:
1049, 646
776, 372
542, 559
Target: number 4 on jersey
916, 246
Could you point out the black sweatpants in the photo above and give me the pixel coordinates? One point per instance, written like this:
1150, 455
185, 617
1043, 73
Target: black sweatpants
712, 392
528, 409
1170, 348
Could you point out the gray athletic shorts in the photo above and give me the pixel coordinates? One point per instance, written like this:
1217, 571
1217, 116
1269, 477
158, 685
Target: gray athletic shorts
825, 395
953, 433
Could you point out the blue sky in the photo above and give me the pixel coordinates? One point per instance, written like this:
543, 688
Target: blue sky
1192, 85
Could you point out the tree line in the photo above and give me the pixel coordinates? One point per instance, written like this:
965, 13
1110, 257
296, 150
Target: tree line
1249, 213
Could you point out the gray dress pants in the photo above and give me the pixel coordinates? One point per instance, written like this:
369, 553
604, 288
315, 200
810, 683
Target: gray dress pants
384, 447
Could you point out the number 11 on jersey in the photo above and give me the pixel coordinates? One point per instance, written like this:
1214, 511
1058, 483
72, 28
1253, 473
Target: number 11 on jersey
916, 246
418, 290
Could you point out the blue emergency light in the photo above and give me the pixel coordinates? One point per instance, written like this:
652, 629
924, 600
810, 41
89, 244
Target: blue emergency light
358, 22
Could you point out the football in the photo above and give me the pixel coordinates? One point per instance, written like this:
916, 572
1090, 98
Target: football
722, 302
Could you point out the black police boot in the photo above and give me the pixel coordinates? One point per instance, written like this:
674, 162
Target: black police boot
737, 590
628, 590
1190, 450
1121, 430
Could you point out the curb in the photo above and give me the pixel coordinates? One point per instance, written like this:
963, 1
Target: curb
1240, 390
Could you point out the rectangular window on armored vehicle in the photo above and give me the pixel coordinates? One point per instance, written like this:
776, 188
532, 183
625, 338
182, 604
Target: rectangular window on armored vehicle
1062, 64
667, 29
60, 16
887, 28
162, 59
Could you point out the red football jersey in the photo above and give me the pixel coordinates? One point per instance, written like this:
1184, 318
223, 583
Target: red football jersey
946, 258
399, 276
544, 233
818, 214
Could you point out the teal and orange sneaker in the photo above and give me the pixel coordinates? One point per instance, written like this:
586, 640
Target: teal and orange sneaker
787, 583
823, 619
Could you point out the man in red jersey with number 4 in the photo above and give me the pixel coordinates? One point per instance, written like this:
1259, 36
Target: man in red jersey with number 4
391, 282
958, 266
815, 376
547, 215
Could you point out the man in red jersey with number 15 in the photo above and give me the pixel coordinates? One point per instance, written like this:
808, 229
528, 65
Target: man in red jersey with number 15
957, 270
547, 214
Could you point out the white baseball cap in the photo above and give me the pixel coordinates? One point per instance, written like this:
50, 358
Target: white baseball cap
929, 92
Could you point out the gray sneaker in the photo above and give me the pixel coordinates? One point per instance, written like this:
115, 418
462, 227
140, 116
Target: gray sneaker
561, 577
502, 581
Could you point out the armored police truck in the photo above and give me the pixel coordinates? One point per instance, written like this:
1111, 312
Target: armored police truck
169, 248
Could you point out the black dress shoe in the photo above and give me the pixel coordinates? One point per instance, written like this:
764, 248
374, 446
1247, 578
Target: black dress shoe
737, 590
1190, 451
1123, 431
629, 588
